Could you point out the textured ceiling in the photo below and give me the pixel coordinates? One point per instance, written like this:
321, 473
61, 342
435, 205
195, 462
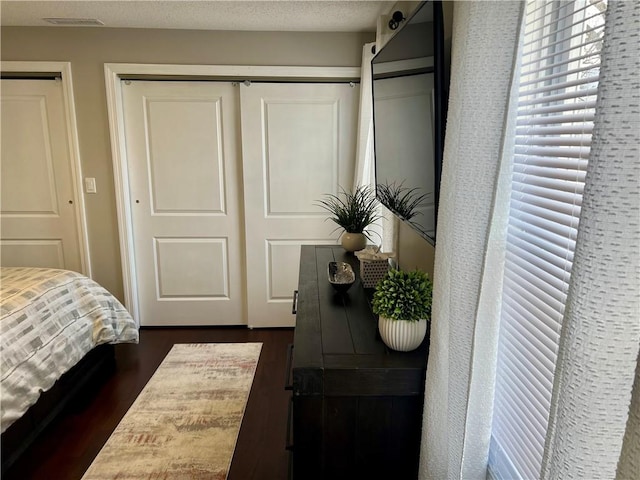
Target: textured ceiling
280, 15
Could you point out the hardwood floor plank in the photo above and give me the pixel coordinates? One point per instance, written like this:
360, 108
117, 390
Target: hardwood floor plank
67, 448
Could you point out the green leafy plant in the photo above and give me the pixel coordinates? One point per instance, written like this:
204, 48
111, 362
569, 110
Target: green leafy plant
352, 211
404, 296
403, 201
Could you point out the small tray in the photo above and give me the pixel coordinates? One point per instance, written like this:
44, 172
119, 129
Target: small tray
341, 276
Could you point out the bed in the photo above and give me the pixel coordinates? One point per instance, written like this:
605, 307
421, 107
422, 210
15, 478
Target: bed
57, 330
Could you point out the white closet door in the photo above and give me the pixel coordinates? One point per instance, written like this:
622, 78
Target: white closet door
38, 205
184, 182
298, 143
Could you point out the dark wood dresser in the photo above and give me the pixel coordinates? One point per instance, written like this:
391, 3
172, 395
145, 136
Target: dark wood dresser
356, 406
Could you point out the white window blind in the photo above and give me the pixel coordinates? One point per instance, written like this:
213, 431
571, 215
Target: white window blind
558, 80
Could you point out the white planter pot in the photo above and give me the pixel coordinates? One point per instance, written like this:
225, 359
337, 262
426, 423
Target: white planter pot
401, 335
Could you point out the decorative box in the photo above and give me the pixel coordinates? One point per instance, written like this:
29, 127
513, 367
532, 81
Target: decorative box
373, 266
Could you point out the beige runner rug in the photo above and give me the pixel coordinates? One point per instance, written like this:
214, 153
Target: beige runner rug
185, 422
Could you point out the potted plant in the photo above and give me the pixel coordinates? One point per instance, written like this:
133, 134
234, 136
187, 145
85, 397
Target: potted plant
402, 300
353, 212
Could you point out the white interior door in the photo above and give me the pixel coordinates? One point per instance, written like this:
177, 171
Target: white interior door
298, 143
39, 213
181, 140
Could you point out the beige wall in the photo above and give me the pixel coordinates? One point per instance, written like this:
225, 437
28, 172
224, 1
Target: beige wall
414, 251
88, 49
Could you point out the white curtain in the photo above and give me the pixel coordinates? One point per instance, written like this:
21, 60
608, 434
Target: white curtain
461, 367
595, 417
365, 165
600, 336
365, 173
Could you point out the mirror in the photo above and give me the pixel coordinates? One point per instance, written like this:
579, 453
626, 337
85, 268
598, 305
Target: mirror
408, 100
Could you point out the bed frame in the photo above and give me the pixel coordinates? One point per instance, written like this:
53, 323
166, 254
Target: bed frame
95, 366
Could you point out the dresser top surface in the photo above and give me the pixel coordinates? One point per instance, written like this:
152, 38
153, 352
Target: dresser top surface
339, 331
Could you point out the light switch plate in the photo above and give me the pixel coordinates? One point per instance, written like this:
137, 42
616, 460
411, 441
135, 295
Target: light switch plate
90, 185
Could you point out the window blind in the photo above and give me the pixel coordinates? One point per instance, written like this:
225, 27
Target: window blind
558, 80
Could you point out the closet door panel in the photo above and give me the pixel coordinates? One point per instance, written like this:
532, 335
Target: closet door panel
298, 143
184, 178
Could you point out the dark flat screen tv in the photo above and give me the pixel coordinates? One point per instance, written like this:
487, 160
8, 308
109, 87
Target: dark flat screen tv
409, 102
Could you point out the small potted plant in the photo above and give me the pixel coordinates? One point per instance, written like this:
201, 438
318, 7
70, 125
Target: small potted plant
353, 212
402, 300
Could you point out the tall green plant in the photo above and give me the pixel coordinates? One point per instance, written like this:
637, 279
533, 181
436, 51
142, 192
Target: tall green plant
352, 211
404, 296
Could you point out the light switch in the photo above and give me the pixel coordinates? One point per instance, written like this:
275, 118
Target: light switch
90, 185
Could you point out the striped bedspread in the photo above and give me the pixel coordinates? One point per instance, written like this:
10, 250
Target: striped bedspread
49, 319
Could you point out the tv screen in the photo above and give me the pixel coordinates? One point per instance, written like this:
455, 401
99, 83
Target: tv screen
408, 106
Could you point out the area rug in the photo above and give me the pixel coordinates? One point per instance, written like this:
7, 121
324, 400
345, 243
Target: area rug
185, 422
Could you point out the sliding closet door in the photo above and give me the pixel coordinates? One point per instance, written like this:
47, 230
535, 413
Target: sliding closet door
298, 143
39, 218
183, 166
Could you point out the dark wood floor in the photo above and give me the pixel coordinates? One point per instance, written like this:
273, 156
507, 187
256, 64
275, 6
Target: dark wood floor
67, 448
